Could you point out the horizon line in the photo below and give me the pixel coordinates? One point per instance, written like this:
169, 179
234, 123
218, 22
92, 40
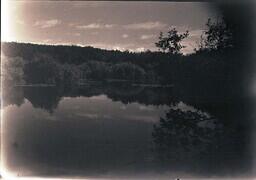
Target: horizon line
91, 46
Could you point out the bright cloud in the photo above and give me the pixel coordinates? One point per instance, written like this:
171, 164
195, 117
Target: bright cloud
47, 23
146, 26
77, 34
125, 36
196, 33
140, 49
146, 36
20, 22
95, 26
47, 40
192, 41
91, 4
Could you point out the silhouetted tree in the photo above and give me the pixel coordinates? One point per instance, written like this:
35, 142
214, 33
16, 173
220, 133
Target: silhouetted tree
217, 36
172, 42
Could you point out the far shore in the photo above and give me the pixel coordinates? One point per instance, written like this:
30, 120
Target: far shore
90, 82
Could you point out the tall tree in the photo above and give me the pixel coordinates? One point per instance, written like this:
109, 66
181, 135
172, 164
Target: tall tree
171, 43
217, 36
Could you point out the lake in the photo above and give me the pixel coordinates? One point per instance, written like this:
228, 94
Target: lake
103, 131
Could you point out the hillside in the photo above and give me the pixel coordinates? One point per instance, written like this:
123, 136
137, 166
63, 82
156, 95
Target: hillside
204, 73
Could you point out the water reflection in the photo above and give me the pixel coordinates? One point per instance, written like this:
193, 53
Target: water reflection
99, 131
214, 146
186, 131
48, 97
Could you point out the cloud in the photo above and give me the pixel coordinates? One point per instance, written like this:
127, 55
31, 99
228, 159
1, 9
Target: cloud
125, 36
146, 36
47, 23
140, 49
135, 26
185, 108
192, 41
20, 22
95, 26
119, 48
47, 40
84, 4
77, 34
146, 26
94, 33
71, 24
196, 33
114, 46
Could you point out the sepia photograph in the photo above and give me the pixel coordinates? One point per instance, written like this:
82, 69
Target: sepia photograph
128, 89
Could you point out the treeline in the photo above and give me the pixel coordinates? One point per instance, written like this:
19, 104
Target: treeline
216, 68
66, 64
70, 64
49, 64
44, 69
204, 73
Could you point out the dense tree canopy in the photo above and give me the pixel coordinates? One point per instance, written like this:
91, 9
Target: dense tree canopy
171, 43
217, 36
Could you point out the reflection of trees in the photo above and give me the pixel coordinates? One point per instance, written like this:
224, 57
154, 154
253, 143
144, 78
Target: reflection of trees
183, 138
143, 95
195, 140
43, 97
48, 97
13, 95
186, 131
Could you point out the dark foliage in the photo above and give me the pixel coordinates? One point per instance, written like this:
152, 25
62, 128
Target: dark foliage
218, 36
172, 42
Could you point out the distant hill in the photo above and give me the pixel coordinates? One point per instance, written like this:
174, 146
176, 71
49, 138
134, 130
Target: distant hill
77, 54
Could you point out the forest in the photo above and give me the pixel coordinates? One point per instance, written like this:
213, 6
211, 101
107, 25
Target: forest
214, 69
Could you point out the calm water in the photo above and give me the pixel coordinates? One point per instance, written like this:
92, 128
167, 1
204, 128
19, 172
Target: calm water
124, 131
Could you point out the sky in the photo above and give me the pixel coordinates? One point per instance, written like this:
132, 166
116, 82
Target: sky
133, 26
